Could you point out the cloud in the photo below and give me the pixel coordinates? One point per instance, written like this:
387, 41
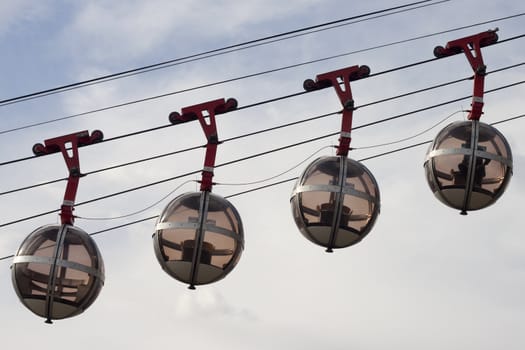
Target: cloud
14, 13
207, 303
129, 30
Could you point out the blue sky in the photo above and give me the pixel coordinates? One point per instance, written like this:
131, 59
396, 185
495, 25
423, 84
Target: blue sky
425, 277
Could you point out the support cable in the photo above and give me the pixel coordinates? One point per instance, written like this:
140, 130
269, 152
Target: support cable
412, 136
186, 182
276, 128
298, 94
202, 55
256, 155
146, 99
280, 182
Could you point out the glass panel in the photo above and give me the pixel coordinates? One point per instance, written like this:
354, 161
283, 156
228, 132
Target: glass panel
323, 171
493, 141
495, 173
315, 211
356, 178
316, 207
32, 279
454, 135
73, 290
179, 245
451, 169
357, 212
208, 274
345, 238
182, 214
40, 242
429, 167
222, 219
218, 249
297, 214
318, 234
172, 242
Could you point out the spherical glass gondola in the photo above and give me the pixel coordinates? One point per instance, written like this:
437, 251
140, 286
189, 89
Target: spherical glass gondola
468, 165
199, 238
58, 271
335, 202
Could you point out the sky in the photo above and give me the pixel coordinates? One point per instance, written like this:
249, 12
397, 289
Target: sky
424, 277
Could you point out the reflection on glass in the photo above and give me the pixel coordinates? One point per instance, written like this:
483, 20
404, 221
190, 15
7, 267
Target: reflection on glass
199, 238
58, 271
335, 202
468, 165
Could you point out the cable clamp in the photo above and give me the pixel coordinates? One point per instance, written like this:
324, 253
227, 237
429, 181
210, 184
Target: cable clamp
478, 99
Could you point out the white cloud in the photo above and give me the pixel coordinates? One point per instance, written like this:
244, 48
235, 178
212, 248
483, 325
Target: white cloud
128, 30
14, 13
208, 304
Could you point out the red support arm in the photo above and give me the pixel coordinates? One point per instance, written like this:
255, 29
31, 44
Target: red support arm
335, 79
471, 47
212, 108
68, 146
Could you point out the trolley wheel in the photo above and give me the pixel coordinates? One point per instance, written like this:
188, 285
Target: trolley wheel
439, 52
175, 118
231, 104
39, 149
309, 85
96, 136
363, 71
226, 107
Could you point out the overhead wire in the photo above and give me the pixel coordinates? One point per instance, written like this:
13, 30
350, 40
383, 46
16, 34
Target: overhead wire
254, 182
102, 231
170, 153
188, 181
410, 65
171, 62
400, 149
373, 123
137, 211
180, 91
183, 61
412, 136
248, 134
257, 155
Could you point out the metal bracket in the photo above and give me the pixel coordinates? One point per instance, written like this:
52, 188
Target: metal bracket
336, 79
212, 108
68, 145
471, 47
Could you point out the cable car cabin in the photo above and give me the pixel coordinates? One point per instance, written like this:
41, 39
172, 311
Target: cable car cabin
335, 202
58, 271
468, 165
199, 238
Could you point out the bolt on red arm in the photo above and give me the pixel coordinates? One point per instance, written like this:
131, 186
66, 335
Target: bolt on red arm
68, 145
471, 47
335, 79
212, 108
